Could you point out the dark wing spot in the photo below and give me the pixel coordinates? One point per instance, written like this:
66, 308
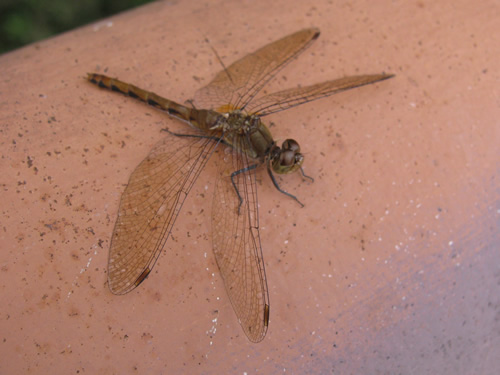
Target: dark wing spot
143, 276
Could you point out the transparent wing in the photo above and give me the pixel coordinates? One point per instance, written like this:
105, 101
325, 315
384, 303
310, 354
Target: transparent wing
236, 242
242, 80
150, 205
285, 99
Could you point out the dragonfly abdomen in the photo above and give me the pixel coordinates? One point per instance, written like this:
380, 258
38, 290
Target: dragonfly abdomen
172, 108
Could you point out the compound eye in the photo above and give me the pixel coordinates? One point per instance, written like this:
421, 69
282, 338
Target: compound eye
290, 144
287, 158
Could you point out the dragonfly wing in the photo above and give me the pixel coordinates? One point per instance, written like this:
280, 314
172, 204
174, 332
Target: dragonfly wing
285, 99
236, 243
150, 205
241, 81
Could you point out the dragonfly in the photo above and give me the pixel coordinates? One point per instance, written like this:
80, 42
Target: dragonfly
225, 114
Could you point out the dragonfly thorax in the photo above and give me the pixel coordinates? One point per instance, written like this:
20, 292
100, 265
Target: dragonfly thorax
255, 139
240, 122
245, 133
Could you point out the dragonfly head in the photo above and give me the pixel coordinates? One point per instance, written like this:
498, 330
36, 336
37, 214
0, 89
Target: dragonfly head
288, 158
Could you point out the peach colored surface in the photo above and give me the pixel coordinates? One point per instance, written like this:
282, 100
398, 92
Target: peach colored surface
391, 267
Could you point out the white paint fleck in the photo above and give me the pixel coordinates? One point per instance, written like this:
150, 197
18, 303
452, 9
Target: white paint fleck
98, 26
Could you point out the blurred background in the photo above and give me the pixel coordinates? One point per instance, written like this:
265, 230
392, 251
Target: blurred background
26, 21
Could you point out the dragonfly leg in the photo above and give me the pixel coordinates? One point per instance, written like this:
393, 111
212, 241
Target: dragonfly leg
191, 103
216, 139
280, 189
306, 176
234, 174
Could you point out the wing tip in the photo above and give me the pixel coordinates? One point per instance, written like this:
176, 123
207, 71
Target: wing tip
314, 31
387, 76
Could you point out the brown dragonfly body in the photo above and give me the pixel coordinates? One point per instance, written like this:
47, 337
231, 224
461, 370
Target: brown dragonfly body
230, 116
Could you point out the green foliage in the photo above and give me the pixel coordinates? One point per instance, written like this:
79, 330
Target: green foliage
26, 21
